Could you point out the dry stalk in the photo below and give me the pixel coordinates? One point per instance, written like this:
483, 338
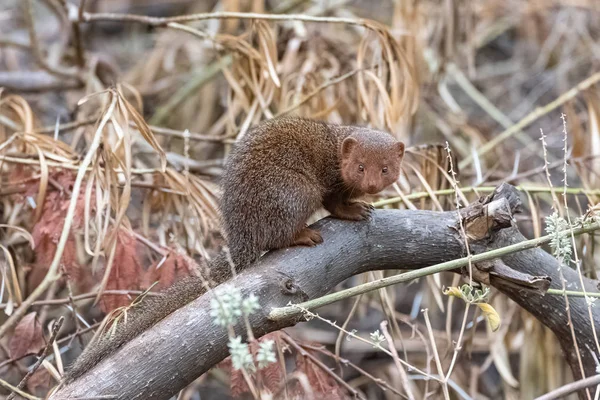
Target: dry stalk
52, 274
396, 359
556, 207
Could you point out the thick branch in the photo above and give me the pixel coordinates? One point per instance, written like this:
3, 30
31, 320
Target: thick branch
186, 344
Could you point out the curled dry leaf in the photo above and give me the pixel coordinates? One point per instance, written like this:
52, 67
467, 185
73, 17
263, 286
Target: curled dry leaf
453, 291
28, 337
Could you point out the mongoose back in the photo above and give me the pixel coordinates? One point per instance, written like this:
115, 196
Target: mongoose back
276, 177
284, 170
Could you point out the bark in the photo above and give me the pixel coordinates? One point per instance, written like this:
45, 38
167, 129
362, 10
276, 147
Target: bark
183, 346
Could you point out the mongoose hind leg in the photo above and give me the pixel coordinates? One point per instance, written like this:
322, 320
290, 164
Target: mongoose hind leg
307, 237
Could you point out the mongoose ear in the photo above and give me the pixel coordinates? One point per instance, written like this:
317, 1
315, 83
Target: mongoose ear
348, 145
400, 149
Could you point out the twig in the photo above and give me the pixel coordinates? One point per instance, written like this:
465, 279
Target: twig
84, 296
142, 185
573, 242
55, 328
532, 116
396, 358
572, 293
155, 129
162, 21
14, 43
77, 41
458, 345
35, 48
192, 136
25, 161
482, 189
59, 341
338, 341
8, 386
378, 381
563, 282
459, 391
541, 169
436, 356
288, 311
353, 335
564, 391
35, 81
68, 126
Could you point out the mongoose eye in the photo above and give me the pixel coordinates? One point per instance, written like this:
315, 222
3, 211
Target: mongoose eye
361, 168
384, 170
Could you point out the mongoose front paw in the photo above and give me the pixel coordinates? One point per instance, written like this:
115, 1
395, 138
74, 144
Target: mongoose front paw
355, 211
362, 210
307, 237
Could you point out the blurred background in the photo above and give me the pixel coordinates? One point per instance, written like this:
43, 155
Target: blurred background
483, 78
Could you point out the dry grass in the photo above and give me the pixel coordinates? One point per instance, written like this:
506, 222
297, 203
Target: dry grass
86, 171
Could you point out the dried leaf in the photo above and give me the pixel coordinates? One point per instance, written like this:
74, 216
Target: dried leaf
320, 382
171, 268
491, 315
454, 291
126, 272
28, 337
40, 382
271, 376
501, 361
48, 229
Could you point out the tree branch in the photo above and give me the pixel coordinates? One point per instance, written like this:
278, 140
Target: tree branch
183, 346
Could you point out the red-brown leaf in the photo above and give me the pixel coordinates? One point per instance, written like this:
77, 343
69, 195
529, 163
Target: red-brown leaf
175, 267
126, 272
48, 229
320, 381
40, 382
271, 376
28, 337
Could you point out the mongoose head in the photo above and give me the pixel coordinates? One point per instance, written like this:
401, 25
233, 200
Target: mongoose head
370, 160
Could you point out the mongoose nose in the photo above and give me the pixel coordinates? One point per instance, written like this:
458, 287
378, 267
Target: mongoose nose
372, 189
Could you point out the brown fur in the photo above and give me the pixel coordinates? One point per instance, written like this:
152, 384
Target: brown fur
276, 177
284, 170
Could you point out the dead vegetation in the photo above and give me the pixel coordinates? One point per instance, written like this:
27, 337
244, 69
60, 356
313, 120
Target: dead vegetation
115, 118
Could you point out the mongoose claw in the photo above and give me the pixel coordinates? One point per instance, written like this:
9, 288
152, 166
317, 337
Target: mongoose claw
363, 210
308, 237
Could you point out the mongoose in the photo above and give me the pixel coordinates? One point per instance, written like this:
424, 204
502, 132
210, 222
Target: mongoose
276, 177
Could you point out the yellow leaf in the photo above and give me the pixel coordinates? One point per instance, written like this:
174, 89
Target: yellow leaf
491, 315
454, 291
